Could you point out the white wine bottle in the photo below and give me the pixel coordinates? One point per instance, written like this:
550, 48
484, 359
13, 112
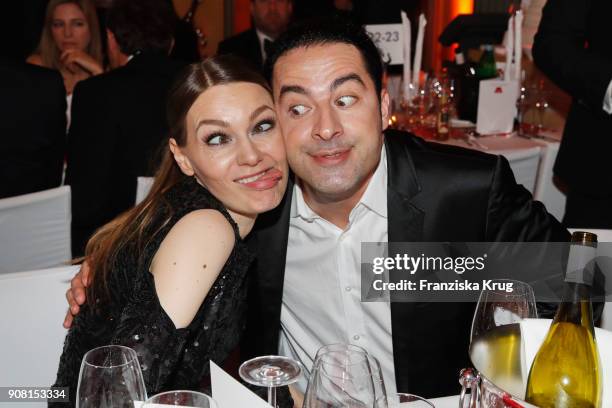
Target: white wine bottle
566, 372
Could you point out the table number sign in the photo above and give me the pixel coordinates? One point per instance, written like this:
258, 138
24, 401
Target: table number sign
389, 40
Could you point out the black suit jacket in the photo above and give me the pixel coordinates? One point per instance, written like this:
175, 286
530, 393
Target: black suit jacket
118, 125
573, 48
434, 193
32, 127
245, 45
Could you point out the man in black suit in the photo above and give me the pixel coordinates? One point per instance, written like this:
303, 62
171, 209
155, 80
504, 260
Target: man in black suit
356, 182
33, 128
270, 19
118, 118
573, 48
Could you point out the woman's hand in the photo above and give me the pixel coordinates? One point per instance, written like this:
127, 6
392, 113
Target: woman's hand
73, 58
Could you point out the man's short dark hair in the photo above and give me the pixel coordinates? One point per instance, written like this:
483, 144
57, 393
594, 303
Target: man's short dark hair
142, 25
329, 30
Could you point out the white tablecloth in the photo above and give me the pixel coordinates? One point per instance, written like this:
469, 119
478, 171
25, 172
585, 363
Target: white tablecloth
531, 161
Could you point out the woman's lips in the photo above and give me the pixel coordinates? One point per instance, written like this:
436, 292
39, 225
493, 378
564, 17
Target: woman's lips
262, 181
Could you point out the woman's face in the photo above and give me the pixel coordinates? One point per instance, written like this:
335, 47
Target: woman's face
69, 27
235, 148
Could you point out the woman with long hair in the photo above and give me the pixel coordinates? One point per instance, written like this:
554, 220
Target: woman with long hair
70, 41
169, 275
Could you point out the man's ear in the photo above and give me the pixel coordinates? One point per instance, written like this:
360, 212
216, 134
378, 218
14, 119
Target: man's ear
182, 160
385, 107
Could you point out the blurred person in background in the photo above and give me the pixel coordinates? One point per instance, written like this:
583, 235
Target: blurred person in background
270, 19
70, 41
572, 46
33, 127
118, 119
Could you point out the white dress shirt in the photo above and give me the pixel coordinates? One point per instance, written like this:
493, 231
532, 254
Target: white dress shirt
321, 292
262, 37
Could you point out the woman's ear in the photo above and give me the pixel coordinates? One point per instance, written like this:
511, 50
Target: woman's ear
182, 160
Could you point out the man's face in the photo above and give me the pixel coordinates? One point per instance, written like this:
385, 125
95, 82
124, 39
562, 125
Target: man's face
271, 16
331, 119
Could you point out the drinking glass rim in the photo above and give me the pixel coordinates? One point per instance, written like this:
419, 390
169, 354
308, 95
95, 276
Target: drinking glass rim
131, 351
210, 398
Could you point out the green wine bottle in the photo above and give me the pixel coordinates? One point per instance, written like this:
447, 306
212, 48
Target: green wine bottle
566, 372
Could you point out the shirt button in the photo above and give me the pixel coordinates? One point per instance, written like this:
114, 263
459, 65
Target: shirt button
348, 288
356, 337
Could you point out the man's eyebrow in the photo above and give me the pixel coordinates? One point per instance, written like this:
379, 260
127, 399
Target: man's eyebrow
350, 77
285, 89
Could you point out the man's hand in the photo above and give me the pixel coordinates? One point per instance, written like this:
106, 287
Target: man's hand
76, 294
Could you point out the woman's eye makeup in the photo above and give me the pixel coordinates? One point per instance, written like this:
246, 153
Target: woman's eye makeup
216, 139
264, 125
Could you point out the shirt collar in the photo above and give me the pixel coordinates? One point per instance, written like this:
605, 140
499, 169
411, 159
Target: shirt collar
374, 197
261, 37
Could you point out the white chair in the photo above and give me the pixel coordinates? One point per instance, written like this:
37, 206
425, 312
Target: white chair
32, 309
35, 230
524, 164
142, 188
545, 190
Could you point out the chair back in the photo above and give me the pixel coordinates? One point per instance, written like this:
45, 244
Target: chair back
32, 308
142, 188
35, 230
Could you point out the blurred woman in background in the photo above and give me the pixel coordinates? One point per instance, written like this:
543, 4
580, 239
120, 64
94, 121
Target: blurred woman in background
70, 41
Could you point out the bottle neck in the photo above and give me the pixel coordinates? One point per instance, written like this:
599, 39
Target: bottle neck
576, 306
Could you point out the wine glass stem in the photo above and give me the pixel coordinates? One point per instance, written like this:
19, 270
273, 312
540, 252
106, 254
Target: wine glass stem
272, 396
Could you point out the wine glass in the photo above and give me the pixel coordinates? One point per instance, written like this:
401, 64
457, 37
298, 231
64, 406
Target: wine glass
496, 347
110, 376
380, 392
271, 372
404, 400
341, 377
181, 398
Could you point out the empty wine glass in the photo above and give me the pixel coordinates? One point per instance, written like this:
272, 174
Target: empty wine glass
110, 376
341, 377
380, 392
496, 347
182, 399
271, 372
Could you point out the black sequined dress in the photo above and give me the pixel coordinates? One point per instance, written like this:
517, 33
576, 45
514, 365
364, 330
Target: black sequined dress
170, 358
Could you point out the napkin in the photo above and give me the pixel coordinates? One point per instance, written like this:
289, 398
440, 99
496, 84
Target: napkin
533, 332
518, 44
229, 393
407, 44
418, 55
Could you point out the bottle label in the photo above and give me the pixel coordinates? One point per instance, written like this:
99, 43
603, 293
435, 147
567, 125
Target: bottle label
580, 265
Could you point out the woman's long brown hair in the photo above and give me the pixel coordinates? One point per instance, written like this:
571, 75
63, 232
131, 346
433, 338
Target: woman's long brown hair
132, 227
47, 48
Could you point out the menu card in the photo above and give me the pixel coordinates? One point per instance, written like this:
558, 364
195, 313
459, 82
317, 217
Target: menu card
229, 393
